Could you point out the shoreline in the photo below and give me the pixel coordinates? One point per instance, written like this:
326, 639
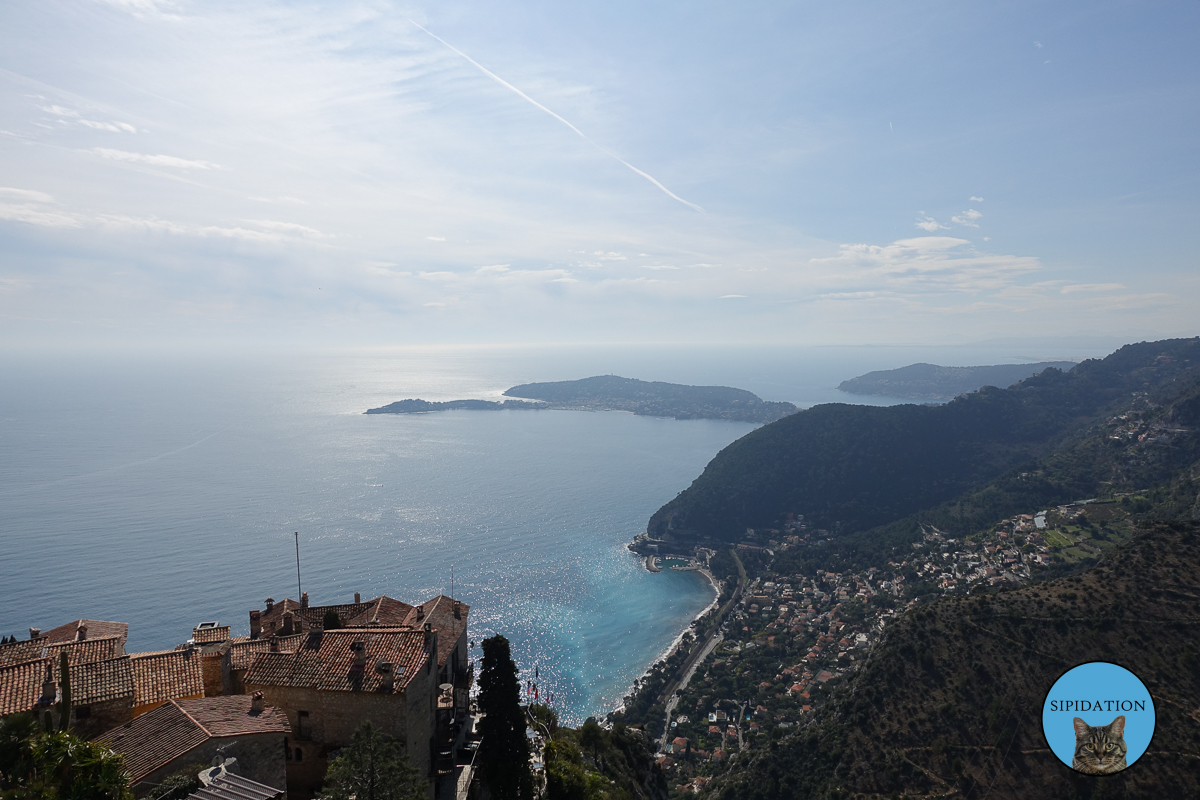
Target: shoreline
670, 648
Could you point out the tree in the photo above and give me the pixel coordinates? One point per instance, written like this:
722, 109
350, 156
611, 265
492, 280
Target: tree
505, 751
64, 684
55, 765
373, 767
331, 620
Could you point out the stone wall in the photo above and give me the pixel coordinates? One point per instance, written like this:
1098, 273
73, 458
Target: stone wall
260, 758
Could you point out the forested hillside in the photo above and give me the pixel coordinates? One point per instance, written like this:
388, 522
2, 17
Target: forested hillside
866, 467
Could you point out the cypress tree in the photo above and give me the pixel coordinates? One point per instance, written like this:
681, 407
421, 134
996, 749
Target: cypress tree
505, 750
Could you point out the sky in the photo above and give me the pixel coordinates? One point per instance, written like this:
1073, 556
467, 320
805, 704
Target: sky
375, 173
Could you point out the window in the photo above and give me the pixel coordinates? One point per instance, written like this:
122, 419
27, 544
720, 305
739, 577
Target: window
304, 726
299, 754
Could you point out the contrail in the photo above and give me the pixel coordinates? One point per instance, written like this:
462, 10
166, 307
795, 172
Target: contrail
582, 135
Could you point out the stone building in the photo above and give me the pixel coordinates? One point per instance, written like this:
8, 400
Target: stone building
185, 733
337, 680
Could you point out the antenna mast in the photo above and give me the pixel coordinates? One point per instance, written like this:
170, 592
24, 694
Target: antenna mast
299, 593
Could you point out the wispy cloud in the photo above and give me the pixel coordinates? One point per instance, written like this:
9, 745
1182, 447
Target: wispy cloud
291, 228
930, 224
581, 134
975, 199
155, 160
730, 296
436, 238
969, 218
1091, 287
28, 195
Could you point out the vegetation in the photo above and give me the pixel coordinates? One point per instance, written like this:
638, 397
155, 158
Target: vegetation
655, 399
37, 764
592, 763
931, 382
853, 468
504, 756
373, 767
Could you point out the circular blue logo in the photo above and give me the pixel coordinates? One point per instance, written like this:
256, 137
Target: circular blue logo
1098, 718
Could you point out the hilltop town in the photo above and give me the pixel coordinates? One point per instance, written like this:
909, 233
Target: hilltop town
267, 710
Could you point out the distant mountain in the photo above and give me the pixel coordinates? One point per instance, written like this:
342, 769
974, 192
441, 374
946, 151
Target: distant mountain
655, 399
857, 467
949, 703
933, 383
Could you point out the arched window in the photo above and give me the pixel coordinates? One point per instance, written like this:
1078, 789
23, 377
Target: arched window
299, 754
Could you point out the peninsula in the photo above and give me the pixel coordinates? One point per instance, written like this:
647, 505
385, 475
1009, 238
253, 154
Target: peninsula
932, 383
614, 393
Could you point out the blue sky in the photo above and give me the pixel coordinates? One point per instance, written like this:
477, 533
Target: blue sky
382, 173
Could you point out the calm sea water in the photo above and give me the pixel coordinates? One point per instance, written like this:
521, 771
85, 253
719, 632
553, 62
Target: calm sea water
165, 491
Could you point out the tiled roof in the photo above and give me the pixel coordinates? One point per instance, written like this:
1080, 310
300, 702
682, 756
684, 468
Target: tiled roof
153, 739
383, 610
313, 616
172, 729
165, 675
101, 681
90, 649
326, 662
96, 629
440, 613
206, 635
232, 716
242, 651
21, 686
228, 786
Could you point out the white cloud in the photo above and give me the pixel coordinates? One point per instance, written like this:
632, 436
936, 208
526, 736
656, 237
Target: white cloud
975, 199
1038, 45
155, 160
115, 127
968, 218
436, 238
658, 266
730, 296
930, 224
289, 228
59, 111
25, 194
33, 215
1092, 287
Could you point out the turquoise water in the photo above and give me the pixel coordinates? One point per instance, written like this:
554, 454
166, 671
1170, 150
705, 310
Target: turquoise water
164, 492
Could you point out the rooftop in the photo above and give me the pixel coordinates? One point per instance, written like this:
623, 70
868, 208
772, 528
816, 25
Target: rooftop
172, 729
326, 661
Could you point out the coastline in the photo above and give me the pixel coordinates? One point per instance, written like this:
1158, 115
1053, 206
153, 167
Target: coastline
670, 648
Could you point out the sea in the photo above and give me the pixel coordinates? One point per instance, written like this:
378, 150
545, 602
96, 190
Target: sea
169, 490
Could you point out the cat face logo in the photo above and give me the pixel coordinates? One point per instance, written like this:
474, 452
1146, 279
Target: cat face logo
1100, 749
1098, 718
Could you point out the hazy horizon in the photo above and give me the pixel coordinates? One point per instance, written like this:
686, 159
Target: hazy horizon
176, 174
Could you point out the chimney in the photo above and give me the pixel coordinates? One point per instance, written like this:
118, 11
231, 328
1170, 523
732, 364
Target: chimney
387, 676
420, 613
359, 649
255, 624
457, 610
274, 645
304, 600
357, 598
81, 632
428, 633
34, 633
256, 703
270, 604
49, 687
287, 623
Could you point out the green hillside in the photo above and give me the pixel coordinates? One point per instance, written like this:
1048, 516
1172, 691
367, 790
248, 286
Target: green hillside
860, 467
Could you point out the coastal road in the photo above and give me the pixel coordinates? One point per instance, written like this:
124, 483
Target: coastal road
674, 699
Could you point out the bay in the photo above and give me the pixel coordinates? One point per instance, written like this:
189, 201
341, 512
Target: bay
163, 490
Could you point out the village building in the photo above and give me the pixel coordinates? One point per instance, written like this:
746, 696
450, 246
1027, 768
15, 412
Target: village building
339, 679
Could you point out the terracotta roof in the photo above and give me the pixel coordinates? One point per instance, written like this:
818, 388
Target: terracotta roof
162, 735
165, 675
21, 686
326, 662
89, 649
206, 635
96, 629
101, 681
232, 716
440, 613
383, 610
153, 739
313, 616
243, 650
